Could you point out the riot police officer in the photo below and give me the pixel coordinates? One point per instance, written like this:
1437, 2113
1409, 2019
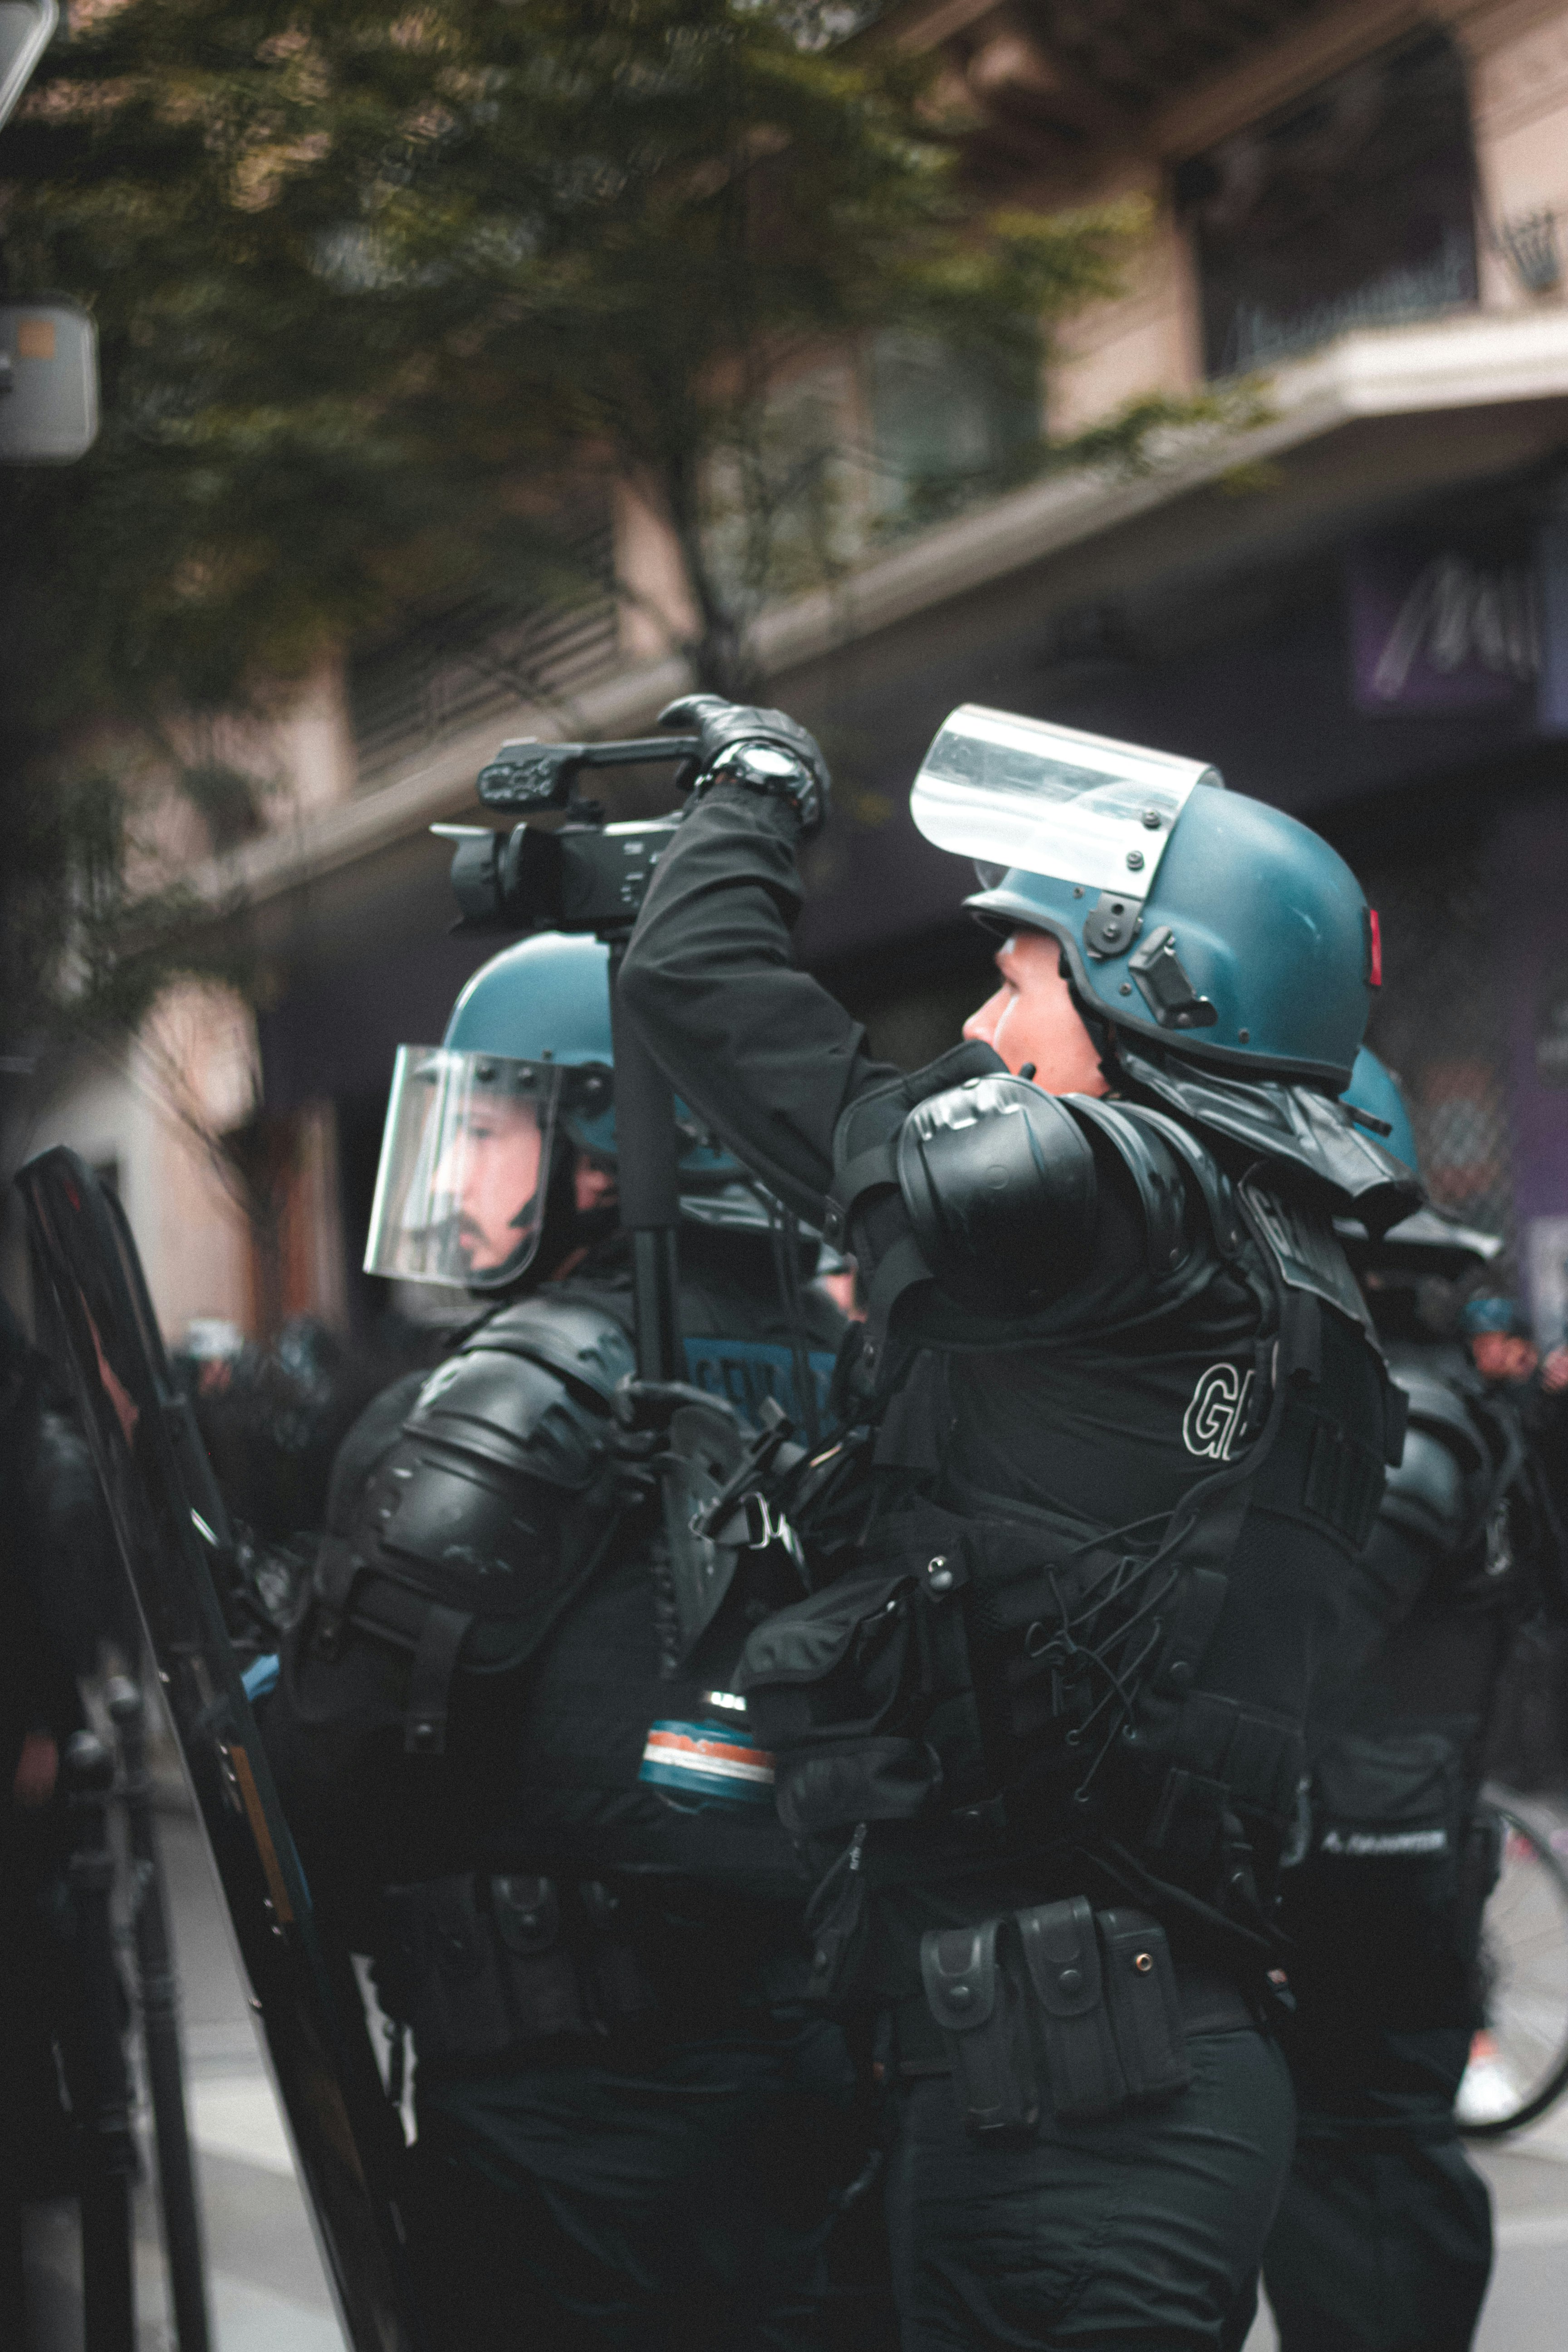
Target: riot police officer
1044, 1721
1383, 2242
512, 1781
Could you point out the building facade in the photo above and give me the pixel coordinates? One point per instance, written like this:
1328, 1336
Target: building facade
1356, 607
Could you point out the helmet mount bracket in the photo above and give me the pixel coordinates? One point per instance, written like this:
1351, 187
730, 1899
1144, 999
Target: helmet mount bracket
1169, 994
1111, 925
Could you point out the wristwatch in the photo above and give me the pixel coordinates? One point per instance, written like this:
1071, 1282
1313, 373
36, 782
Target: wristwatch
768, 768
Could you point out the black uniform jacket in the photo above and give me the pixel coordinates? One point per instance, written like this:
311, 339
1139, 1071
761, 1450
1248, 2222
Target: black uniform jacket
540, 1769
1104, 1409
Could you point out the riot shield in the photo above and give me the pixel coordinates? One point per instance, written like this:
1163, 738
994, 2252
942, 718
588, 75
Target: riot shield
173, 1533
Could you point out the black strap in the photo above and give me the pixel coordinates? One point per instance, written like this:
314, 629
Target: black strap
430, 1680
874, 1167
337, 1571
898, 1270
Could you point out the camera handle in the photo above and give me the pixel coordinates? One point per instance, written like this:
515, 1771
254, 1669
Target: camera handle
527, 775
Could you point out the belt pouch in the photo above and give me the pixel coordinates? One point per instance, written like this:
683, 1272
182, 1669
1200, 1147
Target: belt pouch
540, 1973
1083, 2067
979, 2006
618, 1983
456, 1999
1145, 2008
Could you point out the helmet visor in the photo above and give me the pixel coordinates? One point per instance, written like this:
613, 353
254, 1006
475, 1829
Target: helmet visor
1080, 808
465, 1167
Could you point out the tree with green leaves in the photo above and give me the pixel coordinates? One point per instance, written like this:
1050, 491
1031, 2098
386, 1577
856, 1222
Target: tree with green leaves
386, 296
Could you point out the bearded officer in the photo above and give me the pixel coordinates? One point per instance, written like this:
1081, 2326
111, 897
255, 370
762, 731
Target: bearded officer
1047, 1722
513, 1780
1383, 2242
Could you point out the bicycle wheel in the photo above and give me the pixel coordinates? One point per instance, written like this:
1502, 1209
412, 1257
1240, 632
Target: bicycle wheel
1518, 2061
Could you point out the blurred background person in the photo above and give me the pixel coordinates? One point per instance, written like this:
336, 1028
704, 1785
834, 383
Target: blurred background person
1383, 2238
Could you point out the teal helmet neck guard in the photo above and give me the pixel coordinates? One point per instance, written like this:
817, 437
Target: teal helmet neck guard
1188, 915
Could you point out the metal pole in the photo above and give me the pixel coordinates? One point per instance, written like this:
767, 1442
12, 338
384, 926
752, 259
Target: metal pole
108, 2152
159, 1990
649, 1188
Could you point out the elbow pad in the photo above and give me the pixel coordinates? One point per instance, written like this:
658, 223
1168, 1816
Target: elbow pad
1000, 1184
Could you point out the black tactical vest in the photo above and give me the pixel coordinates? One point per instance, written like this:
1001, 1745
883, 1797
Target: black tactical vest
1083, 1658
474, 1676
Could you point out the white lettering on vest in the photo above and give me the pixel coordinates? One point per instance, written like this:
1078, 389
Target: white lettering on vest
1217, 1411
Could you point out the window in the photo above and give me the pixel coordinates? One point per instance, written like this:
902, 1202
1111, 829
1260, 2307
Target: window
945, 427
1355, 209
483, 657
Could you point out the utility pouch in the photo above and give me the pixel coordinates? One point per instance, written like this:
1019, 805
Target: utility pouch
979, 2005
838, 1688
450, 1970
539, 1975
1145, 2007
618, 1984
1072, 2017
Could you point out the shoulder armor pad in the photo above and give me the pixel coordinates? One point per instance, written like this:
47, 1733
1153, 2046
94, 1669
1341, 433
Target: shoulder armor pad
1424, 1495
1000, 1184
865, 1141
530, 1392
1444, 1414
375, 1432
1209, 1179
1429, 1492
586, 1344
1141, 1144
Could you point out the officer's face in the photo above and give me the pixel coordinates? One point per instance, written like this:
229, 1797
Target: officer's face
1502, 1356
1031, 1019
489, 1169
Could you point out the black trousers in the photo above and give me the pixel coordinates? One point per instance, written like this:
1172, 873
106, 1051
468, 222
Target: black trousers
1143, 2234
675, 2199
1383, 2238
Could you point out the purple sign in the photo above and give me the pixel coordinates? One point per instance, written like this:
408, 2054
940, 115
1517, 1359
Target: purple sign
1434, 628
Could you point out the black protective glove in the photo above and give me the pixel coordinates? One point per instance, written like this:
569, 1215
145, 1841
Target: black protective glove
763, 750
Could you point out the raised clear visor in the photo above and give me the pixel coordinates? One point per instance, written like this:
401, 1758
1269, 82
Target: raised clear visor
1021, 791
465, 1167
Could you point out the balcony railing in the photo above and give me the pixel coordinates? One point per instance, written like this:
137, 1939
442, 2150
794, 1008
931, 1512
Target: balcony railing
482, 658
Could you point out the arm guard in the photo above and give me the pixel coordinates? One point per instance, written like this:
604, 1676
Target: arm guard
991, 1189
477, 1522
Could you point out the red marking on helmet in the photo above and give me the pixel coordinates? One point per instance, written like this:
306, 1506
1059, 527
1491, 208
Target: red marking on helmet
1374, 950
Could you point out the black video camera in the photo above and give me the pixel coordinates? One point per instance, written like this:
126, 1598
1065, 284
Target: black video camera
587, 875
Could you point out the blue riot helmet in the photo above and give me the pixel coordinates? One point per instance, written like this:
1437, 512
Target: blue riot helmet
482, 1132
1374, 1089
1493, 1316
1429, 1242
1187, 915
